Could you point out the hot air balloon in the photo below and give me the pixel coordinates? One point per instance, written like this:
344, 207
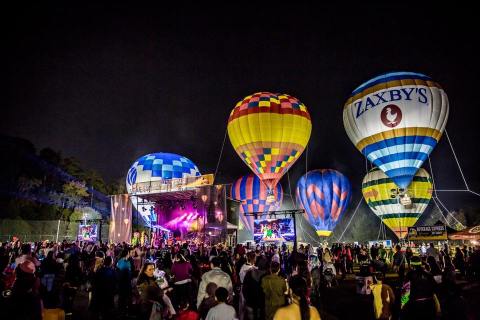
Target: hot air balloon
253, 196
397, 208
396, 120
155, 167
324, 195
269, 132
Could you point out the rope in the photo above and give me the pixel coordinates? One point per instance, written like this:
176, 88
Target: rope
475, 193
301, 220
441, 213
220, 156
351, 218
433, 176
456, 159
294, 202
448, 212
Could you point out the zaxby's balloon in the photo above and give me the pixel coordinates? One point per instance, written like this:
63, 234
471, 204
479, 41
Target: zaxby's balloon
253, 196
397, 208
269, 132
324, 195
396, 120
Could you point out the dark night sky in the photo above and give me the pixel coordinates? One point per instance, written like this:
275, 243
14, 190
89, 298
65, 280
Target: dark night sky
110, 84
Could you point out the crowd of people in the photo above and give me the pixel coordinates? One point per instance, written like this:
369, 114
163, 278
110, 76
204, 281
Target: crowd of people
188, 281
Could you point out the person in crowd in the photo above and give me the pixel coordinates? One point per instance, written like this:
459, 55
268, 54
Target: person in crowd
399, 262
124, 275
222, 311
299, 308
249, 265
49, 268
383, 299
73, 281
26, 254
408, 255
151, 296
423, 303
253, 292
432, 251
459, 261
217, 276
24, 301
453, 304
182, 274
185, 312
434, 269
274, 288
103, 290
209, 301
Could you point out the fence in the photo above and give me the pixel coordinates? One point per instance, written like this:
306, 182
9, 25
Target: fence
40, 230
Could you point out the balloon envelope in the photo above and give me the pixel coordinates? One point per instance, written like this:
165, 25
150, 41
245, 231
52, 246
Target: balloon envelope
396, 120
269, 132
159, 166
252, 193
383, 197
155, 167
324, 195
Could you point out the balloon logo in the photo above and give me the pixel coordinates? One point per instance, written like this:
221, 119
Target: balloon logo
391, 116
396, 120
324, 195
398, 208
269, 131
252, 194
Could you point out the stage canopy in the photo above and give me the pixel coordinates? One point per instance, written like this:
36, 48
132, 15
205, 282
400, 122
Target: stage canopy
472, 233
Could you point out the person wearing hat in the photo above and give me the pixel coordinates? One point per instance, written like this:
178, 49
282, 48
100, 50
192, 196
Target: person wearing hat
23, 302
422, 303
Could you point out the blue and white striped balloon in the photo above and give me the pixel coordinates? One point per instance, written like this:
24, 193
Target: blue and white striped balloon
396, 120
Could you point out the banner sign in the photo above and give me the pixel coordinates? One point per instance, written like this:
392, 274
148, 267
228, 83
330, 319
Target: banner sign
172, 185
427, 233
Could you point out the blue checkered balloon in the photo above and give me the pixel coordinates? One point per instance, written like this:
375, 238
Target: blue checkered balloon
158, 166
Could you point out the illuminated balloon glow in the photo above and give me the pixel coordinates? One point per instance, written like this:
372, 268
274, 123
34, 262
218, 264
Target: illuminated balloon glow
385, 199
252, 194
269, 132
396, 120
324, 194
157, 167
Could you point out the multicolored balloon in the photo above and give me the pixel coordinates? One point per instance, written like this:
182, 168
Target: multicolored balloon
396, 207
253, 196
396, 120
324, 194
155, 167
269, 132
